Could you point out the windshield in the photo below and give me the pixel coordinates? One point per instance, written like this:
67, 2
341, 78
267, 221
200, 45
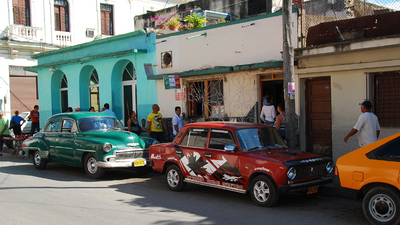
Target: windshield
98, 123
252, 139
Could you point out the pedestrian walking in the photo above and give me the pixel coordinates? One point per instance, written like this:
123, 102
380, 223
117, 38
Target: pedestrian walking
367, 125
155, 123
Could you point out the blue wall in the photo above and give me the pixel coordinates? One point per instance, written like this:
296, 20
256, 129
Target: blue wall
109, 57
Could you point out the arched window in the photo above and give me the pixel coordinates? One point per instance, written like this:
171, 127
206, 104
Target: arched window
61, 15
64, 93
21, 12
94, 91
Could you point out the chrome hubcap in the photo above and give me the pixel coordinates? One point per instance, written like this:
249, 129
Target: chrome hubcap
261, 191
92, 165
173, 178
37, 158
382, 208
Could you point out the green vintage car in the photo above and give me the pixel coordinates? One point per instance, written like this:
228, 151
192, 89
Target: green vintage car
94, 141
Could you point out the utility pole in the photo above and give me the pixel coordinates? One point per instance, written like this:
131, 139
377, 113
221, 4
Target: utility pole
288, 75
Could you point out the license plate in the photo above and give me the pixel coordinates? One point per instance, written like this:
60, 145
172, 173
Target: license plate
139, 162
312, 190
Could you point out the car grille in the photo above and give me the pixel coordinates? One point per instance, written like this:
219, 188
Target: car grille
132, 154
310, 171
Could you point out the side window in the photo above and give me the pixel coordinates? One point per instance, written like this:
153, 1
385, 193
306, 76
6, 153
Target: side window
196, 137
53, 126
220, 138
388, 152
67, 125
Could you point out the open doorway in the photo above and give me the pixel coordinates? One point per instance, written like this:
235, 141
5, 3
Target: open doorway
273, 85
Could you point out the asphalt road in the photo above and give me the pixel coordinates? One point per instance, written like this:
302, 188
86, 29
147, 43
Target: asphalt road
64, 195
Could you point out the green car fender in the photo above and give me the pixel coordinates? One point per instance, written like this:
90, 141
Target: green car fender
32, 144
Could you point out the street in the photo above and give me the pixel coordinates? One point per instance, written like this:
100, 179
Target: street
64, 195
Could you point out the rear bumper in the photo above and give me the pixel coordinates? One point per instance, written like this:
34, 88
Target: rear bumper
123, 164
286, 188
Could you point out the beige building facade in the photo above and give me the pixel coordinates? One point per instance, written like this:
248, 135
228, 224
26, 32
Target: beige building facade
331, 80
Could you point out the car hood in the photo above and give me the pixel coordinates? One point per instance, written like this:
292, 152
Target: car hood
284, 155
116, 137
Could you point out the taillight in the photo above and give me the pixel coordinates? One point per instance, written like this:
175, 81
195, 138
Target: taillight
336, 171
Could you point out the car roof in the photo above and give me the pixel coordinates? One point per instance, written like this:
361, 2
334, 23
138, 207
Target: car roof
80, 115
226, 125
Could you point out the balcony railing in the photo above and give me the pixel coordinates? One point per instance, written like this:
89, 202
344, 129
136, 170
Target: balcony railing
24, 33
63, 39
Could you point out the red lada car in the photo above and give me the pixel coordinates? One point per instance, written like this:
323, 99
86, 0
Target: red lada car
239, 157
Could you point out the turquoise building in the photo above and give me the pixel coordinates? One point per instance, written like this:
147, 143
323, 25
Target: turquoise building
98, 72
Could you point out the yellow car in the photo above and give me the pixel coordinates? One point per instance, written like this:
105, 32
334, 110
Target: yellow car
373, 173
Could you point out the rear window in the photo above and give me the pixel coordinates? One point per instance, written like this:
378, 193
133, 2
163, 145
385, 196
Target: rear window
387, 152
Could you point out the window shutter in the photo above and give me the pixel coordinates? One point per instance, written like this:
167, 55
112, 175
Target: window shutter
62, 19
57, 18
16, 15
103, 23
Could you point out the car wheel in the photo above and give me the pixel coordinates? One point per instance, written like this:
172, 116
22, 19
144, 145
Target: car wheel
91, 167
381, 206
174, 178
38, 162
263, 191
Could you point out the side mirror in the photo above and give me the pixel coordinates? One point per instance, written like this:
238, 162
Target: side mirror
230, 148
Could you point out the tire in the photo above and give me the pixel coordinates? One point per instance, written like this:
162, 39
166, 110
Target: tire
91, 168
381, 205
174, 178
38, 162
263, 191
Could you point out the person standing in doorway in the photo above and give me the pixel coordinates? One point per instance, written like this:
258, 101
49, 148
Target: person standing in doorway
34, 115
177, 122
367, 124
107, 110
155, 123
4, 132
268, 113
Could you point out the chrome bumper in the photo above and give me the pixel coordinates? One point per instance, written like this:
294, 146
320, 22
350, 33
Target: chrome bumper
122, 163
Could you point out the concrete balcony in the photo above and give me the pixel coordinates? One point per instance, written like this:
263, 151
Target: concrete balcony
24, 33
62, 39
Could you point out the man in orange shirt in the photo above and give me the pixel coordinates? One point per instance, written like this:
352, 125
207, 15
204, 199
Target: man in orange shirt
35, 119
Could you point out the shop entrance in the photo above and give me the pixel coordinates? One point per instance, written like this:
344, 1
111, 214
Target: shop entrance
273, 85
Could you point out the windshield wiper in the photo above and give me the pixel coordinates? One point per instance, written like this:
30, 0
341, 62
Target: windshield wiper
257, 147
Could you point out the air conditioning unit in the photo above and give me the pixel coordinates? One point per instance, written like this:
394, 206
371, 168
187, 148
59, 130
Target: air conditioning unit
90, 32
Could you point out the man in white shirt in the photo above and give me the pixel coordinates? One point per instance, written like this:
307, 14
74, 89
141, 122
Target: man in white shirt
177, 122
367, 124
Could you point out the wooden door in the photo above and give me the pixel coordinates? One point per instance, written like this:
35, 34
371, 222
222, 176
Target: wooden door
319, 116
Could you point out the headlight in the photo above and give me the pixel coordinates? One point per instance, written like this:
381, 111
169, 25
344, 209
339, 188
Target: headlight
107, 147
329, 167
291, 173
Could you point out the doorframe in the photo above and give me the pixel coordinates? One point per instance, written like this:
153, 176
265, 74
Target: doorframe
133, 84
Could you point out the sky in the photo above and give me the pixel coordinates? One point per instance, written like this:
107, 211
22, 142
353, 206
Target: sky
392, 4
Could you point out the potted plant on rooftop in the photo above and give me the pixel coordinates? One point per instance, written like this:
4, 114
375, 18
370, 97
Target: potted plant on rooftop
174, 22
159, 22
196, 21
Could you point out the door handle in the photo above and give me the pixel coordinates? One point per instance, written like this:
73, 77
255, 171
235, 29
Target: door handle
178, 151
208, 155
